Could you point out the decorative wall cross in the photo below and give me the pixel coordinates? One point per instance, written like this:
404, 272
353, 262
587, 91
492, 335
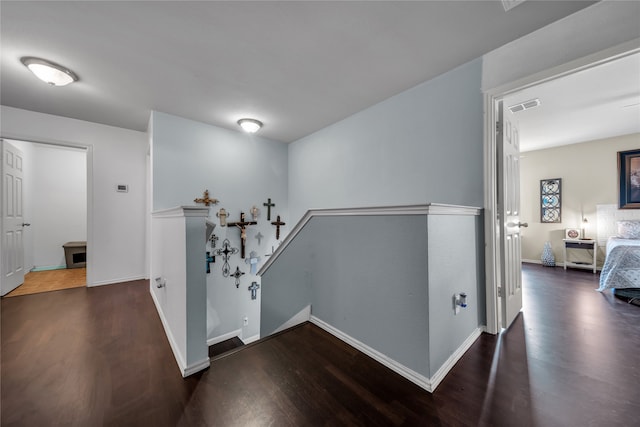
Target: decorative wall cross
278, 224
269, 205
237, 275
254, 288
254, 212
253, 261
259, 236
242, 225
209, 260
222, 214
225, 252
213, 239
206, 200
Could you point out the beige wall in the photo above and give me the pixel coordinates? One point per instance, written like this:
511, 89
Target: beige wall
589, 174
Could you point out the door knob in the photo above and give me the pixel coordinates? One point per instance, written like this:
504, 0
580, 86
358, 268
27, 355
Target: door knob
25, 224
522, 224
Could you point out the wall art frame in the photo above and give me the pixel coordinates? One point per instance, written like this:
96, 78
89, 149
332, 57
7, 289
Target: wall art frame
629, 179
551, 200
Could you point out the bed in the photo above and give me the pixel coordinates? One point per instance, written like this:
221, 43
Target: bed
621, 270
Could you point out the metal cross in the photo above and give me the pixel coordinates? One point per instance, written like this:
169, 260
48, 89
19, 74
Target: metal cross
242, 225
269, 205
237, 276
206, 200
278, 223
259, 236
225, 252
254, 288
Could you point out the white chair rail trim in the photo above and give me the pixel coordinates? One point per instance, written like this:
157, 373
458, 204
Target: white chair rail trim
427, 209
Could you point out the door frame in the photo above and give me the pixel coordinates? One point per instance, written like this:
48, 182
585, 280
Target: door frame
492, 232
89, 158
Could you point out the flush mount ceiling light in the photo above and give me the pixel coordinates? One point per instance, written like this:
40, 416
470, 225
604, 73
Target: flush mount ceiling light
250, 125
49, 72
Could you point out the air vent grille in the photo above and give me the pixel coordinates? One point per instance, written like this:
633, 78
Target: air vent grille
532, 103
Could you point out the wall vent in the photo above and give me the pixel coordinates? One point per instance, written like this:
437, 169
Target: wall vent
524, 105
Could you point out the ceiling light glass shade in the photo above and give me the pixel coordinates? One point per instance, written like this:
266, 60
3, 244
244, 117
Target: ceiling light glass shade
250, 125
49, 72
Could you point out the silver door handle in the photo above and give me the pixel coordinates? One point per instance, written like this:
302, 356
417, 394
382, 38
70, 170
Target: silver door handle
517, 224
25, 224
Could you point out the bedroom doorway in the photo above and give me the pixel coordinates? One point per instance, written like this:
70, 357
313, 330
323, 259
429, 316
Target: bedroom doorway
56, 210
495, 263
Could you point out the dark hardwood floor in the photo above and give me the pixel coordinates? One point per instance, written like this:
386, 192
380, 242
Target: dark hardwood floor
99, 356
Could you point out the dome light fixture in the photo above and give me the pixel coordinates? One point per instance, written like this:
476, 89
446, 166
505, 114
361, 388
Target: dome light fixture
250, 125
49, 72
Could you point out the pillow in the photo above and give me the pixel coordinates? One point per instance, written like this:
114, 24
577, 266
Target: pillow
629, 229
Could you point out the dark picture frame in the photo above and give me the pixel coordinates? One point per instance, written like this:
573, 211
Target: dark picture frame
551, 200
629, 179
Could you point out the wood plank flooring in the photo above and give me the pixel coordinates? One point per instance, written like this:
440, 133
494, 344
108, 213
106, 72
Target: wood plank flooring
36, 282
99, 356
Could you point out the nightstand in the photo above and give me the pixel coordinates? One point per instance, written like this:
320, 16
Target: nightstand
580, 244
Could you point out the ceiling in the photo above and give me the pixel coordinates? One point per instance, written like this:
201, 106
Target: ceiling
297, 66
596, 103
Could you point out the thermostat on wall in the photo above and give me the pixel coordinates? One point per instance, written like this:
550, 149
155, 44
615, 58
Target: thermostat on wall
122, 188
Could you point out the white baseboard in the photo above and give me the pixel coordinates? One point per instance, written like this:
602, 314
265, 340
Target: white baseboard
167, 331
196, 367
251, 339
114, 281
224, 337
302, 316
453, 359
407, 373
428, 384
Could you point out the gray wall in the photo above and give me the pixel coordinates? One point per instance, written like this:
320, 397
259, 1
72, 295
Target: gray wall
387, 281
240, 170
422, 145
455, 263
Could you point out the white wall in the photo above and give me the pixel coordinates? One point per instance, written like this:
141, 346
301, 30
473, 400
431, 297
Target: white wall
55, 199
240, 170
421, 146
116, 227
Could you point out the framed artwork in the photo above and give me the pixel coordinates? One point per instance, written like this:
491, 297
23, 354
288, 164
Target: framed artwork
629, 179
572, 233
550, 201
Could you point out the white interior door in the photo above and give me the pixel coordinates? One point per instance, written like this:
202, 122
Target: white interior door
508, 145
12, 219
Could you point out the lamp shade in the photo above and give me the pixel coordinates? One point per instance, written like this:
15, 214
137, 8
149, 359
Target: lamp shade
49, 72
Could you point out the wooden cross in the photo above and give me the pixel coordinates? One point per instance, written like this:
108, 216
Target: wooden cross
253, 288
206, 200
242, 225
269, 205
226, 253
278, 224
237, 276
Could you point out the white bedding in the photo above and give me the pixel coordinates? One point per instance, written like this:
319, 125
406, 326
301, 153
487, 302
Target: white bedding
622, 264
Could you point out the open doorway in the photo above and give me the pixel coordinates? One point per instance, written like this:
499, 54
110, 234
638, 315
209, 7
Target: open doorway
494, 226
54, 224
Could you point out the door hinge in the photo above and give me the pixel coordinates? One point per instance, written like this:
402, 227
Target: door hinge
498, 127
499, 291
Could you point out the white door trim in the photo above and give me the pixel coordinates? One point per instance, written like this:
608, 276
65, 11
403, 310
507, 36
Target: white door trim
491, 97
90, 227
